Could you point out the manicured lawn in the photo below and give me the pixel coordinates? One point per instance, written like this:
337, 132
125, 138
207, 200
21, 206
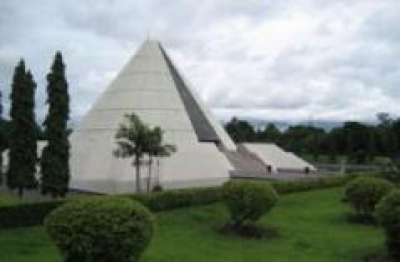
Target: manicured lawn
6, 200
312, 227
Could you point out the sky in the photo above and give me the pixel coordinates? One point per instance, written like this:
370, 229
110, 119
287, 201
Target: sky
291, 60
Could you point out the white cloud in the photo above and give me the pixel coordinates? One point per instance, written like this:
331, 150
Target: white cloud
283, 60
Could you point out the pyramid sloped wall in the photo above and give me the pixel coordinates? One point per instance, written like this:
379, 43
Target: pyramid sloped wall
146, 87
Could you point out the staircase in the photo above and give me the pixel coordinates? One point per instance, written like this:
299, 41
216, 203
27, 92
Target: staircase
245, 162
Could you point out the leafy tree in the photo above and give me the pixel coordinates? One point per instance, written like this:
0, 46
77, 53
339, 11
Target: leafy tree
132, 140
302, 139
23, 147
55, 155
157, 148
270, 134
358, 141
240, 130
136, 139
387, 139
371, 144
384, 119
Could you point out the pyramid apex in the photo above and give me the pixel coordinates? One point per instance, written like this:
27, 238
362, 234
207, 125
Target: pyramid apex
150, 42
151, 37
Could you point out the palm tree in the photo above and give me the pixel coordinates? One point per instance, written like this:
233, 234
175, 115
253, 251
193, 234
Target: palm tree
136, 139
133, 139
157, 148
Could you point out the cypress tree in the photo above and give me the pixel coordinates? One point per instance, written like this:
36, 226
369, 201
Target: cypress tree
2, 140
23, 147
55, 156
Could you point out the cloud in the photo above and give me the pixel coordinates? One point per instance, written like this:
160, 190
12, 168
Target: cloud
283, 60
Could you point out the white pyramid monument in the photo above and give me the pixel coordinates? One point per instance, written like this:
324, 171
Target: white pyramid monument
150, 86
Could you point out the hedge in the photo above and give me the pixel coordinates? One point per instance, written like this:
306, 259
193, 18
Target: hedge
167, 200
33, 214
25, 215
285, 187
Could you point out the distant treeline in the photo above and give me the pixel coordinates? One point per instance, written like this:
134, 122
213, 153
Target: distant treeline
358, 141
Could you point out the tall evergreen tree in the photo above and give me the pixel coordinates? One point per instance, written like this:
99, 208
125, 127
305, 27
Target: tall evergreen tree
2, 140
55, 156
23, 147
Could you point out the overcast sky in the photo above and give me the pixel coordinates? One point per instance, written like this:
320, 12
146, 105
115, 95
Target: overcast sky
276, 60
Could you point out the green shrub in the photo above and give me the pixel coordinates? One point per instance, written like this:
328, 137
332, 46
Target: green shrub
365, 192
307, 184
33, 214
26, 214
248, 201
178, 198
388, 214
101, 228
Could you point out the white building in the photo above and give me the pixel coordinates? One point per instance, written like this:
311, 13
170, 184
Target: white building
151, 86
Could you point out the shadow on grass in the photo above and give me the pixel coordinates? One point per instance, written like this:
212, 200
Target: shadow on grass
361, 220
378, 257
249, 231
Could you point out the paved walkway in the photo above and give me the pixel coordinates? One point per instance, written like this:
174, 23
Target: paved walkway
284, 176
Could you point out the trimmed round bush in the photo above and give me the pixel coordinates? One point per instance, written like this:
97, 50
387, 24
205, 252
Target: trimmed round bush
101, 228
388, 215
364, 193
248, 201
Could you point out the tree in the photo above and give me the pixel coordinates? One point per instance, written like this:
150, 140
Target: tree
240, 130
357, 138
387, 139
302, 139
157, 148
23, 147
2, 140
55, 172
371, 144
270, 134
136, 139
132, 140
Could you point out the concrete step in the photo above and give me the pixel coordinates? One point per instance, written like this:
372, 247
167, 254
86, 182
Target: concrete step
245, 162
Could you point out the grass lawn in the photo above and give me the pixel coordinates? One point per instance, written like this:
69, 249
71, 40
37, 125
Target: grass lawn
312, 227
